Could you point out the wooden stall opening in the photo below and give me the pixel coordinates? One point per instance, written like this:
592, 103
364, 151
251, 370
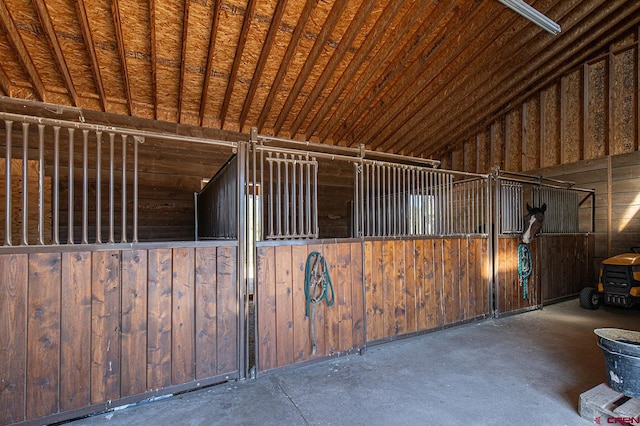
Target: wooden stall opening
105, 299
561, 255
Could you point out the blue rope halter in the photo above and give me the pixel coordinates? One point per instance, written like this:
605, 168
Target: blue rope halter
524, 267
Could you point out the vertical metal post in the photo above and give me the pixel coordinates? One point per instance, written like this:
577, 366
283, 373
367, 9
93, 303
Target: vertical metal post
316, 226
271, 203
242, 228
278, 197
41, 184
287, 209
111, 186
123, 238
56, 185
71, 195
7, 184
294, 198
136, 141
85, 187
98, 187
25, 184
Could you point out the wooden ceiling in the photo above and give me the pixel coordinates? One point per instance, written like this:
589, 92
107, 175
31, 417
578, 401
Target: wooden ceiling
403, 76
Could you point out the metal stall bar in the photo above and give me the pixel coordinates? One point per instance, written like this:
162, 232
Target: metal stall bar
7, 184
98, 187
70, 207
123, 213
111, 186
136, 141
85, 186
40, 184
25, 184
56, 188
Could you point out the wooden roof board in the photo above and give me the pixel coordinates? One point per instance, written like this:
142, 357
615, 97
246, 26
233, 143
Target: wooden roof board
404, 76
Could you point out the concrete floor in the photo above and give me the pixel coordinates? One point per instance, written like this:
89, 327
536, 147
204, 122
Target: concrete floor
523, 369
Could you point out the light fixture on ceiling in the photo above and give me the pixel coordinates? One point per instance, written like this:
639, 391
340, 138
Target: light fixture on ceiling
532, 14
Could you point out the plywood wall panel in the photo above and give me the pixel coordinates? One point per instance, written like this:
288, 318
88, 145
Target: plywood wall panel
624, 101
596, 142
571, 113
531, 134
513, 140
550, 121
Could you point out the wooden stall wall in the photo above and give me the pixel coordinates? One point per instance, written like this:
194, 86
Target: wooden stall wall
85, 331
562, 266
283, 333
421, 284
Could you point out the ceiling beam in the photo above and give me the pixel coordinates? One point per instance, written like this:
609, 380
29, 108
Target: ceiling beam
574, 36
5, 82
154, 57
209, 67
276, 19
393, 73
85, 27
370, 41
183, 56
613, 28
115, 11
15, 39
327, 71
310, 61
58, 56
237, 60
282, 70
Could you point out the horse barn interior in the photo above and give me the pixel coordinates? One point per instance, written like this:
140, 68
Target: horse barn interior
174, 174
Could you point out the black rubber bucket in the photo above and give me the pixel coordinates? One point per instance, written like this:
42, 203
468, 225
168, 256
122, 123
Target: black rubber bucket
621, 349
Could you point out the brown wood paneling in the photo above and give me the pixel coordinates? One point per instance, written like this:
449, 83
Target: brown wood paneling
412, 289
75, 336
465, 270
323, 346
343, 298
432, 302
438, 283
388, 264
284, 306
13, 340
105, 326
301, 332
266, 308
43, 334
134, 323
357, 296
399, 288
183, 321
206, 312
374, 295
451, 284
159, 318
227, 307
331, 313
422, 297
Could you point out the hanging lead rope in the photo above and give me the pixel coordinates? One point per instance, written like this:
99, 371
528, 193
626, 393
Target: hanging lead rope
317, 287
524, 267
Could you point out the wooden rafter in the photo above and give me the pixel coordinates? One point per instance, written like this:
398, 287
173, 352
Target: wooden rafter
525, 74
183, 56
5, 82
242, 41
115, 10
58, 56
291, 48
453, 73
16, 41
209, 67
262, 60
605, 31
154, 54
393, 73
371, 40
399, 39
310, 61
419, 76
345, 44
81, 11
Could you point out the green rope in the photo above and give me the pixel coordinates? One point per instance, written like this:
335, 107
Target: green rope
317, 287
524, 267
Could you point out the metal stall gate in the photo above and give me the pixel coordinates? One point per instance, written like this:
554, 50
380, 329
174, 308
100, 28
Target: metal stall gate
561, 256
92, 318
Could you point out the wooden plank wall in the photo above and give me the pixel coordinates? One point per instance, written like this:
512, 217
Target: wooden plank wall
283, 331
84, 331
562, 266
589, 111
616, 180
423, 284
